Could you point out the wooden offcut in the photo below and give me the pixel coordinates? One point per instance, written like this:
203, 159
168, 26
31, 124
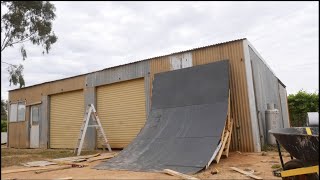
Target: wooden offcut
54, 169
107, 156
246, 173
179, 175
65, 178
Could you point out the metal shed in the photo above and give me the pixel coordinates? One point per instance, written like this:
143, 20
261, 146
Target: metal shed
107, 89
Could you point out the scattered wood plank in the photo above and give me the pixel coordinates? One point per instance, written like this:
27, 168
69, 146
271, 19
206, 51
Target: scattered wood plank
65, 178
76, 158
107, 156
38, 164
54, 169
22, 170
246, 173
89, 156
68, 163
179, 175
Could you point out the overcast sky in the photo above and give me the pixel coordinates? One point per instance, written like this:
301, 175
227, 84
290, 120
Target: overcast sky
97, 35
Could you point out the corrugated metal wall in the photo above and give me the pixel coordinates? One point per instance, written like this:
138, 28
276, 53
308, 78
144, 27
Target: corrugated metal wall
266, 88
122, 111
18, 137
284, 105
242, 136
18, 132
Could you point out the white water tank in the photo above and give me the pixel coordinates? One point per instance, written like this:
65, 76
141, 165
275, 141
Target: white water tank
313, 119
272, 122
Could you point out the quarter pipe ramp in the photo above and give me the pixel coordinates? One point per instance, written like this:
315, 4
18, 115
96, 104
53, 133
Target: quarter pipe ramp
185, 123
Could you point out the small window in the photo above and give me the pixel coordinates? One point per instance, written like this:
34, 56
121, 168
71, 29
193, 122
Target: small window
35, 113
13, 112
21, 111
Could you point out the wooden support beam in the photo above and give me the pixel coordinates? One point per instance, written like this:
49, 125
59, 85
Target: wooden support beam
179, 175
226, 151
246, 173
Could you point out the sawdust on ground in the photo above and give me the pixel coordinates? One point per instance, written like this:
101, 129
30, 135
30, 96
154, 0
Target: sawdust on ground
260, 164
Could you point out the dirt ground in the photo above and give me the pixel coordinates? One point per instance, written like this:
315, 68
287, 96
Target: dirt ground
11, 156
261, 163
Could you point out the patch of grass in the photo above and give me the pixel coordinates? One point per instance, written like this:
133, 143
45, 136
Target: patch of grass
12, 156
269, 147
263, 153
275, 166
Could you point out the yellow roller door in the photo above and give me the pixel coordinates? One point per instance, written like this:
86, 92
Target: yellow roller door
66, 116
121, 109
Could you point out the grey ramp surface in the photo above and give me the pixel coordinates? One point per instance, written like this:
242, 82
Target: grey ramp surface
189, 109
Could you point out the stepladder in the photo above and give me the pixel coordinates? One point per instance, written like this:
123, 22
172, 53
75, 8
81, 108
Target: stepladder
91, 120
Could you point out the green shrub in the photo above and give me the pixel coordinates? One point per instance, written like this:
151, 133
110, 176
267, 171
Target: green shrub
3, 126
301, 103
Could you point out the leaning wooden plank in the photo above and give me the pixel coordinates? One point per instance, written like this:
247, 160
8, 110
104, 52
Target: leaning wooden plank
223, 131
22, 170
108, 156
246, 173
54, 169
179, 175
222, 147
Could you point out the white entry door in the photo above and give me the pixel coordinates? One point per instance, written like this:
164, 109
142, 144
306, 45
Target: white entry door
34, 131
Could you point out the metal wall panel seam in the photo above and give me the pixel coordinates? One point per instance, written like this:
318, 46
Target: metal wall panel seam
251, 97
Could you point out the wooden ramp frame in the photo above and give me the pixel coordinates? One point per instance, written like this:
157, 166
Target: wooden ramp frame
226, 135
223, 147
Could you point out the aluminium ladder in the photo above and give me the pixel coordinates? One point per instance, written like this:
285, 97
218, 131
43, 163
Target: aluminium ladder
90, 110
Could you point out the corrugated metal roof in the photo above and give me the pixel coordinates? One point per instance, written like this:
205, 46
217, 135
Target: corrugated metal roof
133, 62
